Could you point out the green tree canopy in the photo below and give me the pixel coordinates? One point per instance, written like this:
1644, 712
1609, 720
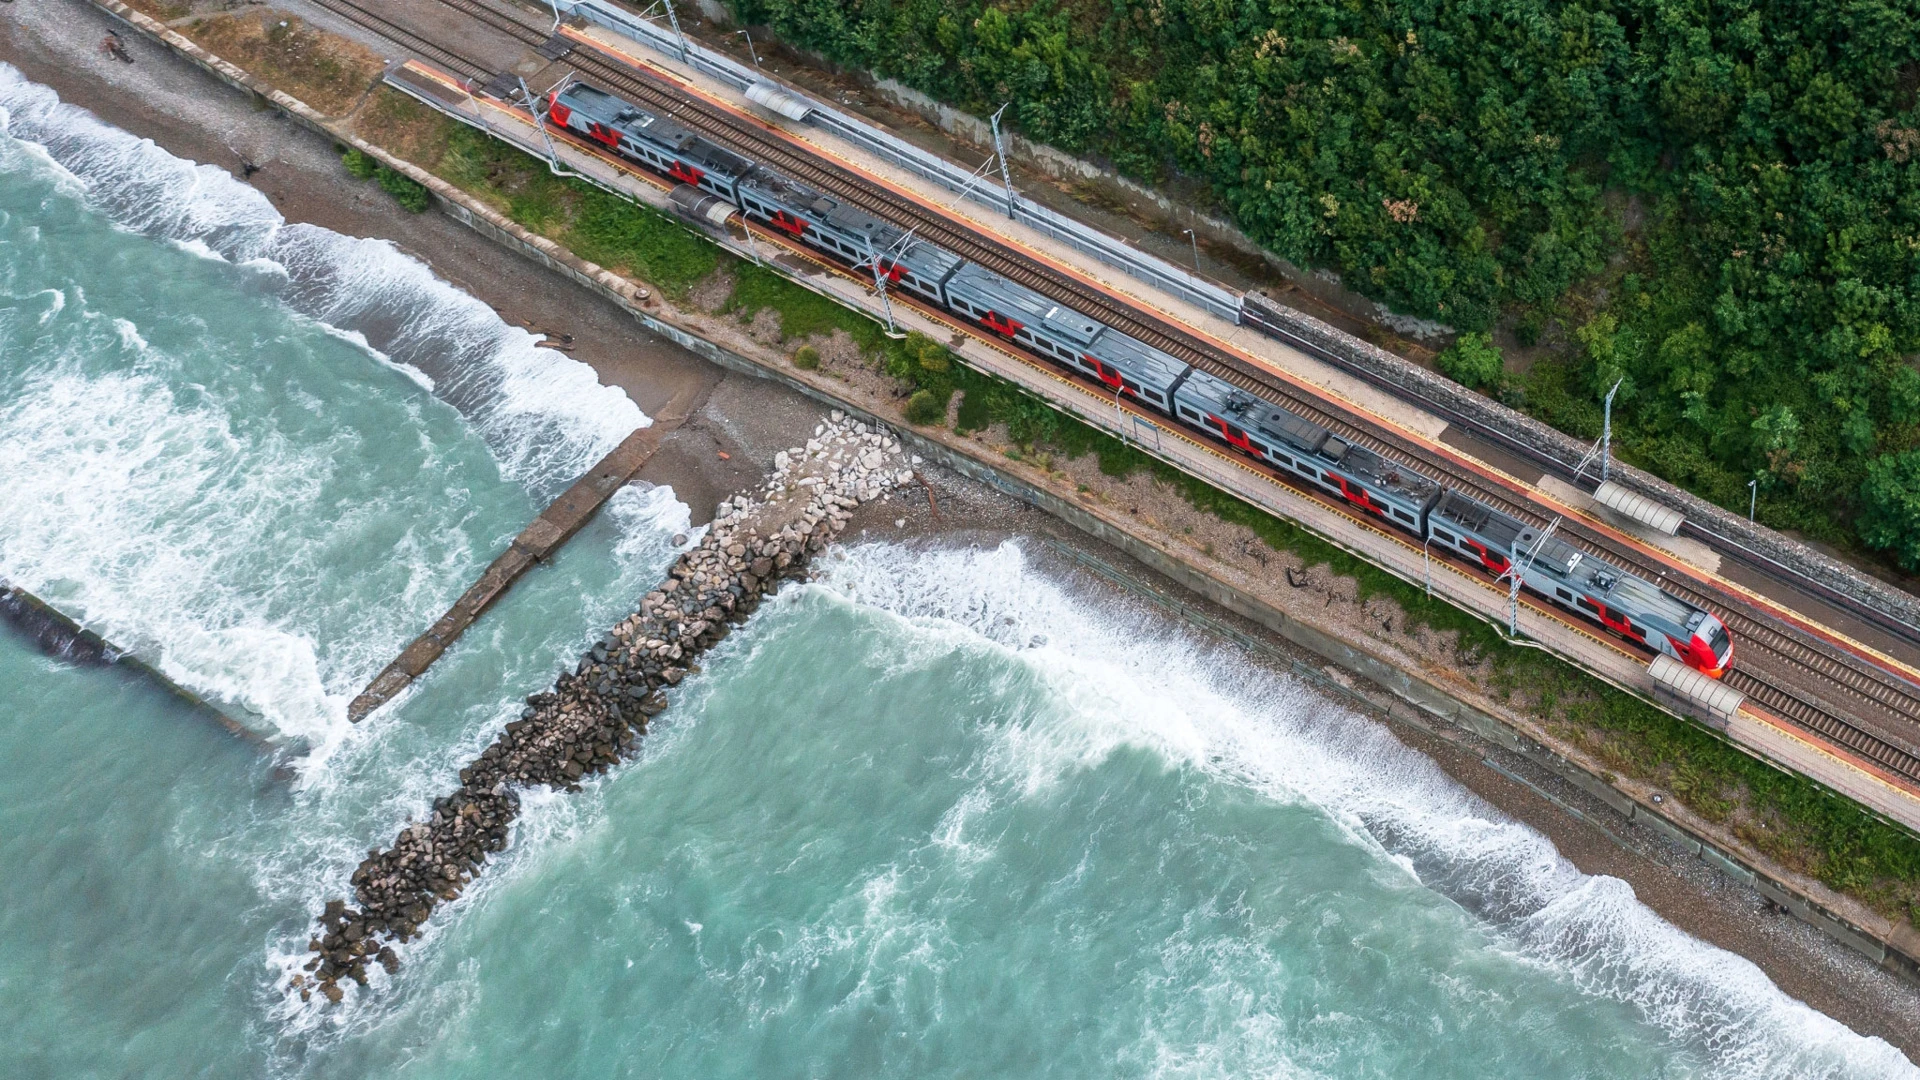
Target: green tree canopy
1732, 186
1890, 506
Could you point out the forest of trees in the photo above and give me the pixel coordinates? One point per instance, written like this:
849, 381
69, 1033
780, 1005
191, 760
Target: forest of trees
1716, 201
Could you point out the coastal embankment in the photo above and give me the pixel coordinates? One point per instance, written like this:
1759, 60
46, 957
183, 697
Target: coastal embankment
60, 637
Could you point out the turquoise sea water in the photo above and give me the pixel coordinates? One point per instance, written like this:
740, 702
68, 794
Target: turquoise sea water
941, 813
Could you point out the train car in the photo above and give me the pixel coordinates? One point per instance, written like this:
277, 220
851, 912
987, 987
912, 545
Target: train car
650, 139
820, 221
1255, 427
1474, 529
1077, 342
852, 236
1626, 604
919, 267
1630, 606
1266, 432
1386, 489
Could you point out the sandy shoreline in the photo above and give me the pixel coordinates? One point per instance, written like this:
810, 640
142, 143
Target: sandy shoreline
52, 42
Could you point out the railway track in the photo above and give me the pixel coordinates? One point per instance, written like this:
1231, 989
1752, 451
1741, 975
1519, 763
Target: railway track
403, 37
1834, 729
1876, 706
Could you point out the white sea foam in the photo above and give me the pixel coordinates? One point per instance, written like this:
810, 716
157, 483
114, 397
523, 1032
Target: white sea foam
334, 826
545, 415
129, 497
112, 455
1127, 679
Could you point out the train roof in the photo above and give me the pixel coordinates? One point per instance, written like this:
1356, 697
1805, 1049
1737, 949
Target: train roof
1630, 593
622, 115
1476, 517
1125, 352
1258, 415
1389, 476
1008, 298
823, 209
930, 262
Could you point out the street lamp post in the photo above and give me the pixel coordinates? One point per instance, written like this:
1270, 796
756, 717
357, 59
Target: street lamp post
1753, 497
1196, 247
1000, 151
1606, 431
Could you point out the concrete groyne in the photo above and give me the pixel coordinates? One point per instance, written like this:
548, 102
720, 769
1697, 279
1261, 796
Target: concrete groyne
60, 637
594, 716
566, 516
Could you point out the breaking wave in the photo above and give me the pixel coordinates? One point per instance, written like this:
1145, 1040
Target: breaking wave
1128, 680
545, 416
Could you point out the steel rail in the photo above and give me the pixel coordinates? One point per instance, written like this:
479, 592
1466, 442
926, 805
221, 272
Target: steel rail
517, 23
1722, 543
1822, 722
402, 36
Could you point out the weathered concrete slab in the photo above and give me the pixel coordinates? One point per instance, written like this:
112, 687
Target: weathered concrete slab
573, 509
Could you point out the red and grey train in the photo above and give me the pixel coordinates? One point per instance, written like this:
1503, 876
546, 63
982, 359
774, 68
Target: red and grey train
1291, 445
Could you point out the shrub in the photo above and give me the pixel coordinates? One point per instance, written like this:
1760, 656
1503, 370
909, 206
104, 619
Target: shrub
807, 358
359, 164
1472, 361
1890, 506
924, 407
410, 194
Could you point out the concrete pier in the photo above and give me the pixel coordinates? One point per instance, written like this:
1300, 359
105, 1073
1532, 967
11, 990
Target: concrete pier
569, 512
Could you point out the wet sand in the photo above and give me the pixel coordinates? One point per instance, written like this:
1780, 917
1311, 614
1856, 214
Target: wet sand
746, 419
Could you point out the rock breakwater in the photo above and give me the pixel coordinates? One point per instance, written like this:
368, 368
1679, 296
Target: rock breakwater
594, 715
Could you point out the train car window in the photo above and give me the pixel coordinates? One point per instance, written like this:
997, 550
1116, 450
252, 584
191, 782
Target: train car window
1401, 514
1154, 396
1588, 605
1282, 458
1442, 534
1564, 594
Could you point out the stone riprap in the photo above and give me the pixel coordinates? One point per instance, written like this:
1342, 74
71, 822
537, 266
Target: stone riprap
595, 714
